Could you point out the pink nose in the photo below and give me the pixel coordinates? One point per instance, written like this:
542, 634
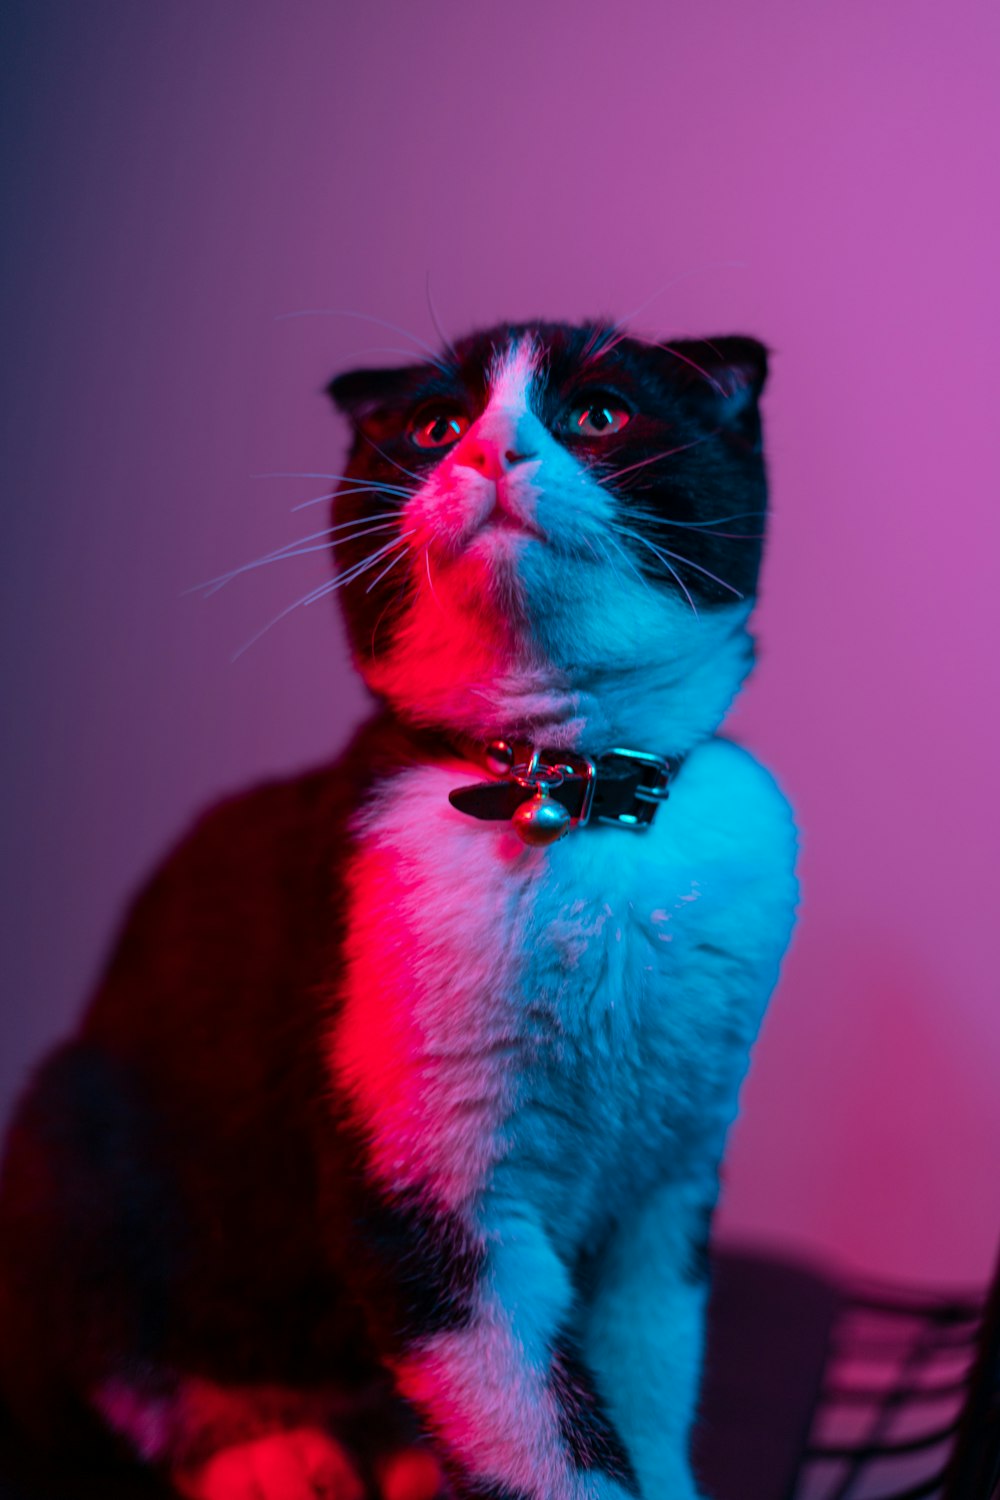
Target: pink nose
492, 450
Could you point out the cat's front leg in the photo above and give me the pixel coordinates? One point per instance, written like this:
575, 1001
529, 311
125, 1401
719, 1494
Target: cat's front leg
644, 1330
236, 1442
513, 1408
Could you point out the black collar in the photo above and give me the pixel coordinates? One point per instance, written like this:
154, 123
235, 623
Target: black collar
545, 792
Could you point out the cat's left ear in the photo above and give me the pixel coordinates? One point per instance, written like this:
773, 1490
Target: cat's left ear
359, 393
728, 373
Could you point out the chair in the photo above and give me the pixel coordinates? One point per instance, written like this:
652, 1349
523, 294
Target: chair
862, 1392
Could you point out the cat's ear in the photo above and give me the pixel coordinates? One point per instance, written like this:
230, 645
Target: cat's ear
358, 393
728, 373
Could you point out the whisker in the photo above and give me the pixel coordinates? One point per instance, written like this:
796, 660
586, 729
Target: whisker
609, 561
408, 472
394, 349
346, 312
430, 581
589, 352
356, 570
359, 489
306, 599
621, 550
446, 341
656, 458
718, 265
673, 571
664, 553
344, 478
594, 347
706, 527
385, 570
296, 548
669, 349
369, 560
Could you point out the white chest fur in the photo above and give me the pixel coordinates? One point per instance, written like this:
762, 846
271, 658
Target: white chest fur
559, 1022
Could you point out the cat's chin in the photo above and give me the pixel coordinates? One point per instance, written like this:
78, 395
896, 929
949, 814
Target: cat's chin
496, 551
476, 672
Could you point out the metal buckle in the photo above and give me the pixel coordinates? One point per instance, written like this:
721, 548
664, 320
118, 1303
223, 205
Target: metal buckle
653, 790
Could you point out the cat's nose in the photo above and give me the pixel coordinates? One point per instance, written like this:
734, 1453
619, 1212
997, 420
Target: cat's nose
491, 459
493, 450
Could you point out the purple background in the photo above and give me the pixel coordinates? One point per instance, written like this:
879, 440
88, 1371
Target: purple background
822, 175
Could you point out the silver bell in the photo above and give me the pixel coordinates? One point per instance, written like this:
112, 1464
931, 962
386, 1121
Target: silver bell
541, 821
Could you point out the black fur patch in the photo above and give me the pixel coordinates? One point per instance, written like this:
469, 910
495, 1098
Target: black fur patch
585, 1426
427, 1260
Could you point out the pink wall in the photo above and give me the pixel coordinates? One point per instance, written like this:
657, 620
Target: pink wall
821, 175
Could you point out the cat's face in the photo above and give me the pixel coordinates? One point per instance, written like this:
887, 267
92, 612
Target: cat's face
555, 529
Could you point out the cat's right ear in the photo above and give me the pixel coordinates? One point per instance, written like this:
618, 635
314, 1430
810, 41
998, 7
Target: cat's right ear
359, 393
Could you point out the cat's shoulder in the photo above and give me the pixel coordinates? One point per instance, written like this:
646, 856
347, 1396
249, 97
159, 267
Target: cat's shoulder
280, 820
725, 793
266, 823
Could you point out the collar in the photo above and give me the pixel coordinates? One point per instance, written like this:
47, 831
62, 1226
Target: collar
544, 792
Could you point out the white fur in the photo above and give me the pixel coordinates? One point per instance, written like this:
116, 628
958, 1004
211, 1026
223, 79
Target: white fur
549, 1040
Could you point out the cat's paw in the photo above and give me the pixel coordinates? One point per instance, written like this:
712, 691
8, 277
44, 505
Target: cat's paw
409, 1474
302, 1464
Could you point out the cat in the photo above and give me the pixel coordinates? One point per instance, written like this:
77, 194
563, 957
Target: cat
384, 1158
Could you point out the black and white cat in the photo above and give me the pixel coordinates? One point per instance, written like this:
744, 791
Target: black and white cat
410, 1077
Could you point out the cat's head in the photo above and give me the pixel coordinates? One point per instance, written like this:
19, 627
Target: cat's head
556, 531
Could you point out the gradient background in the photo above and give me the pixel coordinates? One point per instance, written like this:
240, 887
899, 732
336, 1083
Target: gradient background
823, 175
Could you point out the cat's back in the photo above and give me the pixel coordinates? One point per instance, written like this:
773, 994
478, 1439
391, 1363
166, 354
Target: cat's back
159, 1172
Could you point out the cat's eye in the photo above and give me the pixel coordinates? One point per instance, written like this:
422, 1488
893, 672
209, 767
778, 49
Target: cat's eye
438, 429
601, 418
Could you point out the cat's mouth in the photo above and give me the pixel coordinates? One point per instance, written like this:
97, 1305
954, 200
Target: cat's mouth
501, 518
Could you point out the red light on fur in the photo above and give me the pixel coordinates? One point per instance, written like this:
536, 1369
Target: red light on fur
411, 1474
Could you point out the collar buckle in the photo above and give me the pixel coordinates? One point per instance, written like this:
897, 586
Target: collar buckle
653, 787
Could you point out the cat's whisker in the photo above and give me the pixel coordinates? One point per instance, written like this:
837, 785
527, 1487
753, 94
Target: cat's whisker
706, 528
297, 548
344, 492
729, 536
657, 457
673, 571
401, 467
686, 360
386, 349
348, 478
385, 570
347, 312
717, 265
446, 341
592, 544
608, 561
430, 580
596, 345
624, 554
378, 622
325, 498
313, 595
663, 553
306, 599
359, 569
653, 518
